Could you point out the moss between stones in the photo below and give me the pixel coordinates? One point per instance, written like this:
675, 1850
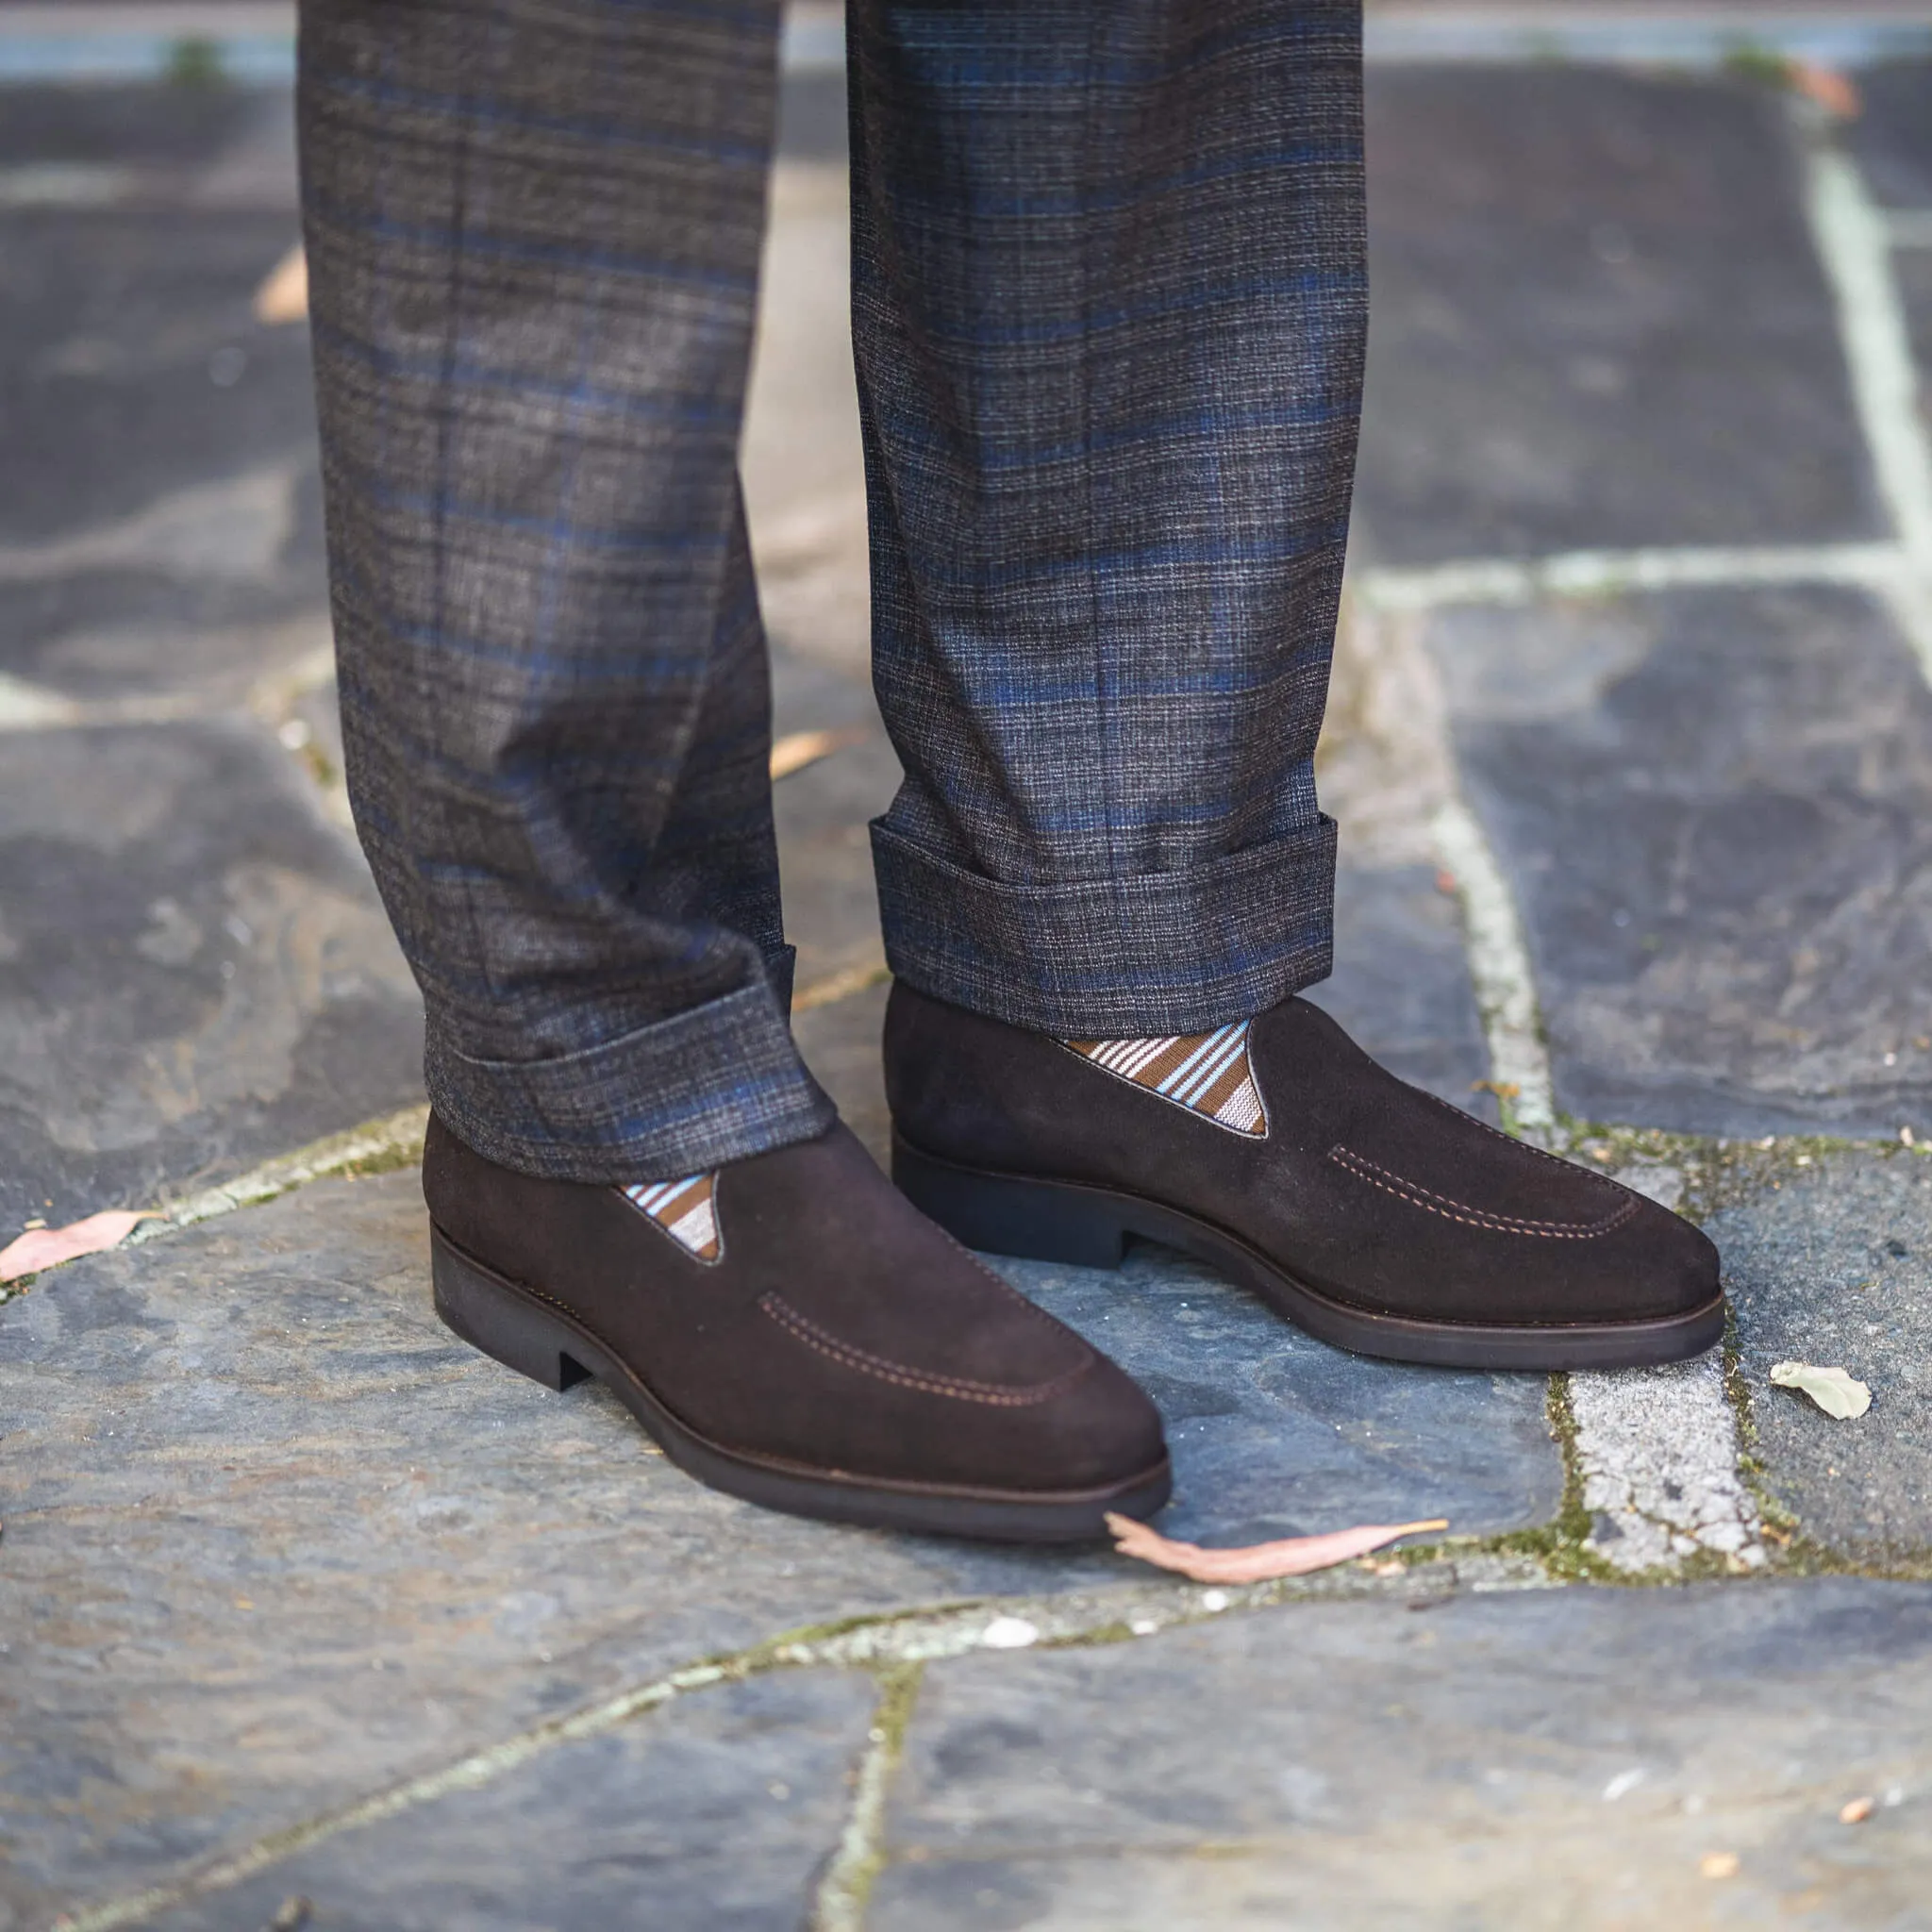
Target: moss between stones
1719, 1171
1562, 1545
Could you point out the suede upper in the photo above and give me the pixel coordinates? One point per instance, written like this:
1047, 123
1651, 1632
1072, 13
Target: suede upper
837, 1329
1363, 1188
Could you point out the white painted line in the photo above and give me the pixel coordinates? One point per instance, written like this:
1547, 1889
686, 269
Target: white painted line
1855, 246
26, 706
1499, 967
66, 184
1611, 573
1854, 241
230, 531
1657, 1449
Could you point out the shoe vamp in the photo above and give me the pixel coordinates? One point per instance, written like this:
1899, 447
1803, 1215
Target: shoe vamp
1376, 1194
907, 1296
846, 1253
1331, 1103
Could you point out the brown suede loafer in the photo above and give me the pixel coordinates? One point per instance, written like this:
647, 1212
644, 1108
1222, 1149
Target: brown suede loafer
1373, 1215
826, 1350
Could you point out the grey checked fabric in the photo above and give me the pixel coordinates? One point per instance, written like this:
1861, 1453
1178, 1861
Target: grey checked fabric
1108, 311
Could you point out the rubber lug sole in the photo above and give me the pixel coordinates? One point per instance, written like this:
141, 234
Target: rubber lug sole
1089, 1226
539, 1339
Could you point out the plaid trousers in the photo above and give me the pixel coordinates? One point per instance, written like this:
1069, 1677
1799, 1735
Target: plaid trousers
1109, 309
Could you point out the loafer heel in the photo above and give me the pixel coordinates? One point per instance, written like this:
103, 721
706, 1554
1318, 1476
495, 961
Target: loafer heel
488, 1314
1004, 1214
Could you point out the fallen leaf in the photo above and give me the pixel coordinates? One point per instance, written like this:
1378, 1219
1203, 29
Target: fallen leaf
284, 296
841, 985
1836, 1392
1718, 1864
798, 749
1857, 1811
1836, 92
45, 1247
1295, 1557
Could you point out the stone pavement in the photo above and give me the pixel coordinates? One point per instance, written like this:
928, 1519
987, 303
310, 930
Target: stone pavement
309, 1615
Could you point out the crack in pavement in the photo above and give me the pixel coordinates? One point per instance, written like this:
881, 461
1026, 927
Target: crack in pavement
895, 1646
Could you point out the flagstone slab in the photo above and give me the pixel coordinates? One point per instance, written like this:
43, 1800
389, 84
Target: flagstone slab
1274, 1434
130, 125
1598, 320
194, 972
131, 364
1893, 134
160, 522
1715, 809
274, 1538
1834, 1267
717, 1813
1545, 1761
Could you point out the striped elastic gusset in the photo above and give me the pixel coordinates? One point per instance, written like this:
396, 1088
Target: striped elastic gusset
1208, 1073
686, 1210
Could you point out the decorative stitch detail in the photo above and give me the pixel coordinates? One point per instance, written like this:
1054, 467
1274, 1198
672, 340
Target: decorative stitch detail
1422, 1197
809, 1332
1568, 1167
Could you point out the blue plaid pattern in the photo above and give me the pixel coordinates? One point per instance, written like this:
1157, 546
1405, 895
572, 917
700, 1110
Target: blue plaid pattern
1109, 300
1109, 306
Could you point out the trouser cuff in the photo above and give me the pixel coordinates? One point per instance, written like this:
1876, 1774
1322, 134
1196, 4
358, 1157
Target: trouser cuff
719, 1083
1153, 952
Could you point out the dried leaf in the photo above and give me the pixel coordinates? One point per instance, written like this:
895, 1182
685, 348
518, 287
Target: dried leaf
841, 985
1295, 1557
1836, 92
284, 296
43, 1247
798, 749
1836, 1392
